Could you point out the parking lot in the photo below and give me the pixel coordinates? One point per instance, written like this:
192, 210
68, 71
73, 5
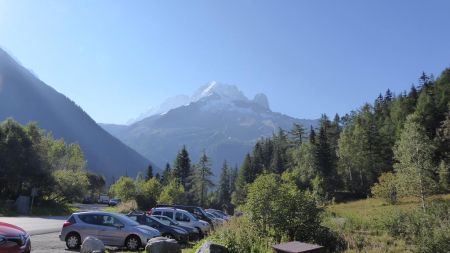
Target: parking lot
45, 243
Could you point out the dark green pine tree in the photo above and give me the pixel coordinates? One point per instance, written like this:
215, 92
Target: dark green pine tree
244, 177
248, 174
158, 176
428, 111
325, 164
278, 164
266, 154
388, 96
333, 133
149, 172
200, 180
312, 136
257, 164
413, 95
233, 177
182, 167
224, 191
167, 175
425, 81
297, 134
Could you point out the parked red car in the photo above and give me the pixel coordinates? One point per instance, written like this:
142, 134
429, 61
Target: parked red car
13, 239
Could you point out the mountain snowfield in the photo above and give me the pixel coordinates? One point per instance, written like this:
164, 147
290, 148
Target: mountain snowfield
227, 93
218, 119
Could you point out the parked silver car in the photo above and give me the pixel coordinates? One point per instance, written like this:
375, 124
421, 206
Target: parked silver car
111, 228
183, 217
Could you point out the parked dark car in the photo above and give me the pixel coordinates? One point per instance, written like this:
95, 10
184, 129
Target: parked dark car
198, 212
113, 202
193, 232
13, 239
173, 232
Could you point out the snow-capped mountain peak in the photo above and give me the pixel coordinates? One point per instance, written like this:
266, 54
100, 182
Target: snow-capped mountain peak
224, 91
217, 97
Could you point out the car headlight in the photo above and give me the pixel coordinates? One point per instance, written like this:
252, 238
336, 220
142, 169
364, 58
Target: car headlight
2, 240
24, 239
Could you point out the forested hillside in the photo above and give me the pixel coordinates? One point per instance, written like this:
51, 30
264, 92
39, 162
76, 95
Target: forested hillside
25, 98
218, 119
349, 153
395, 149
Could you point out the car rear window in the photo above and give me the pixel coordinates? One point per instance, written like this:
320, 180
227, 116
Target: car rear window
179, 216
156, 213
168, 214
72, 220
89, 218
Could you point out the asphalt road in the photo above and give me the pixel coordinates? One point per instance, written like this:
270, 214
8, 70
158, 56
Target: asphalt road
50, 242
36, 225
45, 225
45, 231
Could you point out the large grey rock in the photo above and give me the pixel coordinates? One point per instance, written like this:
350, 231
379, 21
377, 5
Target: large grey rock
162, 245
23, 205
209, 247
92, 245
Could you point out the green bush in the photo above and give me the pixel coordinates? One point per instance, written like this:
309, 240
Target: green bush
429, 230
280, 211
239, 236
386, 188
70, 185
124, 189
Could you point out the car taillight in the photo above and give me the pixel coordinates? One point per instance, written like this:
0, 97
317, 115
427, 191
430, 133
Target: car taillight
66, 224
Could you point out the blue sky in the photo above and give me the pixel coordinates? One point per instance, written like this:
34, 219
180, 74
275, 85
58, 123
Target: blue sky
117, 58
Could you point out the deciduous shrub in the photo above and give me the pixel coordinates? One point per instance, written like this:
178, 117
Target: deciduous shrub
239, 236
429, 230
386, 188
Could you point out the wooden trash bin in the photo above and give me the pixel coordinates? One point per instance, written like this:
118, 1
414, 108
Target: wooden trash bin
297, 247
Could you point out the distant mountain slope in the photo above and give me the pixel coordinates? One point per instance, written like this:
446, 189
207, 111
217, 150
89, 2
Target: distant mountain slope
25, 98
219, 119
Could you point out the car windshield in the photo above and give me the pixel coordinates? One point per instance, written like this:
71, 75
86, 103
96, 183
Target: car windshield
192, 217
218, 215
126, 220
156, 220
166, 220
209, 213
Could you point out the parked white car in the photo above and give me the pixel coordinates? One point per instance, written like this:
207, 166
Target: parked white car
103, 199
218, 213
216, 220
183, 217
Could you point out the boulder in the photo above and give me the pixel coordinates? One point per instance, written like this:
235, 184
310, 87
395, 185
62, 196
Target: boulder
209, 247
92, 245
162, 245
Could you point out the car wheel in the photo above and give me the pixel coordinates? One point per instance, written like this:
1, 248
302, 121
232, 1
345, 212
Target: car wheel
73, 241
170, 236
200, 233
133, 243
